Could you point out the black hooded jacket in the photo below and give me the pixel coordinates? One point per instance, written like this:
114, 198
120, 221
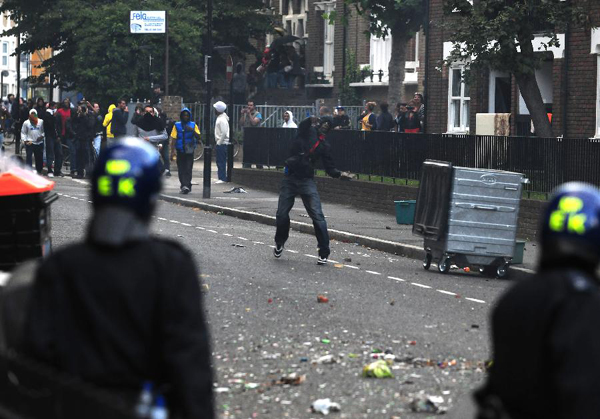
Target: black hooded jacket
307, 148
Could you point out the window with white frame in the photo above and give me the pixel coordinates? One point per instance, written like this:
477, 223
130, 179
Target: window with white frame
381, 53
4, 54
458, 100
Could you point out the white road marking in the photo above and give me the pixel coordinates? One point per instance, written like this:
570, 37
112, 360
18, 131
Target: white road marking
447, 292
396, 279
186, 224
242, 238
351, 267
333, 261
373, 272
161, 218
213, 231
310, 256
420, 285
174, 221
200, 228
228, 235
258, 242
291, 251
475, 300
272, 246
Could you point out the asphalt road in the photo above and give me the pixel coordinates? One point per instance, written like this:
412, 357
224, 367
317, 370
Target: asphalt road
266, 322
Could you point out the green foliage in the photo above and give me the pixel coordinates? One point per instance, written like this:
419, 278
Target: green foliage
493, 31
348, 95
96, 54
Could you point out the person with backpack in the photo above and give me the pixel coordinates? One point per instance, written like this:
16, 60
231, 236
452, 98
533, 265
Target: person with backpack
544, 329
184, 140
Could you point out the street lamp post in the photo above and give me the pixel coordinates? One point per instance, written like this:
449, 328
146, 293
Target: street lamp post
208, 86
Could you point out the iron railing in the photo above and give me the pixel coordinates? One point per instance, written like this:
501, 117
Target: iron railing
547, 162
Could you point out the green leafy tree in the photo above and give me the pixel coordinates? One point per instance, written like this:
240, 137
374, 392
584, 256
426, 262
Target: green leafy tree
401, 19
498, 34
95, 53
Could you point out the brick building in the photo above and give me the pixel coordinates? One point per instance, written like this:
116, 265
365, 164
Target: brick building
568, 81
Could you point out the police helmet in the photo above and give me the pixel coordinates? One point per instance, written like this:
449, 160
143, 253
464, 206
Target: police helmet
571, 225
127, 174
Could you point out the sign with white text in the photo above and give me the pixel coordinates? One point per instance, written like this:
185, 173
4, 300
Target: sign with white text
147, 22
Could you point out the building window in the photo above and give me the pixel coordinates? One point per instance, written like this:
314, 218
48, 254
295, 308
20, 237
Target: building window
4, 61
458, 101
5, 48
381, 53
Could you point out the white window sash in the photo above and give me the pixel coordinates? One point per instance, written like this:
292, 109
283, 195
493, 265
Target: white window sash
463, 103
598, 96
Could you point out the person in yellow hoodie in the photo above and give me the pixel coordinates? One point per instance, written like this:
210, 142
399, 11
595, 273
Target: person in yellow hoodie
110, 138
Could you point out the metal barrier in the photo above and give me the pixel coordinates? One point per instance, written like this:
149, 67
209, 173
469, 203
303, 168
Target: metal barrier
29, 389
547, 162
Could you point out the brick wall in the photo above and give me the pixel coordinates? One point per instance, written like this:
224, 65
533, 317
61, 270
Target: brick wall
582, 77
314, 46
172, 105
372, 196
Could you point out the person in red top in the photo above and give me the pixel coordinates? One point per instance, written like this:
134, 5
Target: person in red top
63, 126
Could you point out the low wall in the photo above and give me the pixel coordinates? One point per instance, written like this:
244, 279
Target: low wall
373, 196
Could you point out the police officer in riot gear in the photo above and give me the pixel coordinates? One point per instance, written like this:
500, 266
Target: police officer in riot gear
123, 307
546, 345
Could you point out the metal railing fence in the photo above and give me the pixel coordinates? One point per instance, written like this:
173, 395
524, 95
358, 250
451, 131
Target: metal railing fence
547, 162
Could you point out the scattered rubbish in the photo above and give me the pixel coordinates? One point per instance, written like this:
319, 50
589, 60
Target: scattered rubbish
251, 386
423, 405
326, 341
238, 245
195, 209
222, 390
322, 299
324, 406
392, 302
338, 265
377, 369
236, 190
303, 359
292, 379
376, 351
325, 359
179, 235
351, 355
270, 300
412, 342
474, 326
347, 259
467, 269
388, 228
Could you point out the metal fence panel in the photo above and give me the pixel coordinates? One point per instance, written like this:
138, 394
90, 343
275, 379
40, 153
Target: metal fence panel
547, 162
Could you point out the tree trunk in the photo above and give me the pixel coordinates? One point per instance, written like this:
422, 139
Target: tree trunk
533, 97
396, 67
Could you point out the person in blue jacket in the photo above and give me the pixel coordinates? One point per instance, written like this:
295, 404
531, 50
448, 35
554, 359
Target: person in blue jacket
185, 136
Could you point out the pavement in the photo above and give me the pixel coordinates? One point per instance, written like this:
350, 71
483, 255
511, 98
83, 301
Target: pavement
346, 223
266, 323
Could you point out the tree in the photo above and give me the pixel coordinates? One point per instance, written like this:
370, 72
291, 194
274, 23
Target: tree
401, 19
498, 34
95, 53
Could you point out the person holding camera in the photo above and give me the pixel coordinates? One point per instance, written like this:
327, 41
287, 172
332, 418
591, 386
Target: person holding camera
409, 120
32, 134
185, 136
82, 128
251, 117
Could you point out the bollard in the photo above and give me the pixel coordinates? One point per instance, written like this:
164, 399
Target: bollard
229, 161
207, 172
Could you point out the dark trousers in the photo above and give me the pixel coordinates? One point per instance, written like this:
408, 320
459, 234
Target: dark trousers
82, 150
17, 132
37, 151
222, 162
164, 152
307, 189
54, 155
70, 142
185, 164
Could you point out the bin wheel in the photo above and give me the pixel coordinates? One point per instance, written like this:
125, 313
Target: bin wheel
502, 271
427, 261
444, 265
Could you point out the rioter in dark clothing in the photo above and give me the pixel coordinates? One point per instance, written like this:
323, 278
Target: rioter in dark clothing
124, 307
83, 131
544, 329
309, 146
385, 120
340, 119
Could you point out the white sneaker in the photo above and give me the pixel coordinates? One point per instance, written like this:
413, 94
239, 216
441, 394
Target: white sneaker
219, 182
50, 174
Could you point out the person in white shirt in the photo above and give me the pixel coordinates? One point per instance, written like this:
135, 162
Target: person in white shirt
32, 134
222, 140
288, 120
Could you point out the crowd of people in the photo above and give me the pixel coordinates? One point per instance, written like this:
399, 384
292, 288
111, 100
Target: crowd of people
408, 117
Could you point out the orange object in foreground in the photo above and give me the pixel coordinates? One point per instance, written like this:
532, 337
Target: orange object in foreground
322, 299
19, 181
